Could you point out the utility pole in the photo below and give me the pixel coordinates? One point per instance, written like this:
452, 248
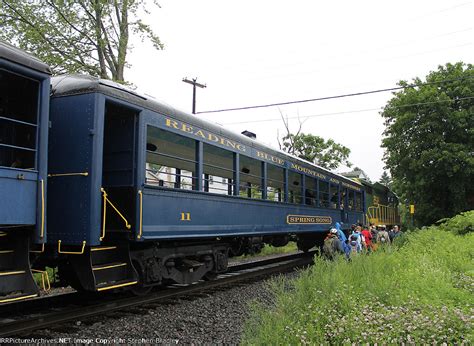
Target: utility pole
194, 83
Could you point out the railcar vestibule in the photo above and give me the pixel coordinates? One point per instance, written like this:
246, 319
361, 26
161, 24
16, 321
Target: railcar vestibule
173, 160
119, 158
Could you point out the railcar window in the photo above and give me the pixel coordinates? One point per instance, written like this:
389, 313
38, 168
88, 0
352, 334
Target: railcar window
275, 183
350, 200
294, 188
311, 192
218, 167
323, 194
18, 120
358, 201
343, 198
334, 194
250, 177
170, 160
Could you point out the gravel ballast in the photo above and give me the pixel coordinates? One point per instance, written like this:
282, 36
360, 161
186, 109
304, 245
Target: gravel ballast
206, 317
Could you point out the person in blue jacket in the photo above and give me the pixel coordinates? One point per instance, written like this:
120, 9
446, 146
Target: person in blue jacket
340, 233
342, 237
357, 236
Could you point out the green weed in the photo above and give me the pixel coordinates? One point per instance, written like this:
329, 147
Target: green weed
272, 250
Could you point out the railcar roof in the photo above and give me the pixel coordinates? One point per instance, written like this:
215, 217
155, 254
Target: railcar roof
80, 84
11, 53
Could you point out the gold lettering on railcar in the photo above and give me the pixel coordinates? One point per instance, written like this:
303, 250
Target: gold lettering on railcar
307, 171
351, 186
270, 158
180, 126
308, 220
185, 216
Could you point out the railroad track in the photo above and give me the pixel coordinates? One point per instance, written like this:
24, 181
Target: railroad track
48, 311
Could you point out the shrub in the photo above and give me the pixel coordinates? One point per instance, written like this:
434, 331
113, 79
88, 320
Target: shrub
460, 224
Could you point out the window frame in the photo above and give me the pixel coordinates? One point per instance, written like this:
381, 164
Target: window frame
177, 170
208, 177
281, 194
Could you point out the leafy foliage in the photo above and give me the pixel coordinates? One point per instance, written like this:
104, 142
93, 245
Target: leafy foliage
73, 36
418, 292
429, 142
460, 224
327, 154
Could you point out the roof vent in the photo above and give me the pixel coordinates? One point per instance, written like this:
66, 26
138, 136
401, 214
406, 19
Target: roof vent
249, 134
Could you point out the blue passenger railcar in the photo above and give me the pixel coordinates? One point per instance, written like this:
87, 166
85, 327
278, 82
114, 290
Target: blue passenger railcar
24, 107
147, 193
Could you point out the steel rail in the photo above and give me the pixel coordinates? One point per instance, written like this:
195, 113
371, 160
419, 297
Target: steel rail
236, 273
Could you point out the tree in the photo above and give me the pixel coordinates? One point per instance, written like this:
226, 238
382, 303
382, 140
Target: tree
325, 153
386, 180
429, 142
72, 36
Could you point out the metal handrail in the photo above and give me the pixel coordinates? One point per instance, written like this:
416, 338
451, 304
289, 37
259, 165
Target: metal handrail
140, 227
17, 147
18, 121
107, 200
170, 156
52, 175
72, 252
218, 167
382, 214
42, 208
44, 278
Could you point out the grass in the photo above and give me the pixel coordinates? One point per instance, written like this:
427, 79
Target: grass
419, 291
272, 250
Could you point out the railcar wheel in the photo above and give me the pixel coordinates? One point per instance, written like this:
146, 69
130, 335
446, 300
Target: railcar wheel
236, 248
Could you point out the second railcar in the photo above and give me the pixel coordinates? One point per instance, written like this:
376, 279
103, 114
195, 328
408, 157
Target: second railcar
146, 193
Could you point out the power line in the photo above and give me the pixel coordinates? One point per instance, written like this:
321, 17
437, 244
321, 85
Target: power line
332, 97
346, 112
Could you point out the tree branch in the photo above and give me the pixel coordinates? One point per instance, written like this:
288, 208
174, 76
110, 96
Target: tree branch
44, 37
51, 3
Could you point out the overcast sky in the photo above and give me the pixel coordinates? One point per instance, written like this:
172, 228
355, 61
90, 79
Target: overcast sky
262, 52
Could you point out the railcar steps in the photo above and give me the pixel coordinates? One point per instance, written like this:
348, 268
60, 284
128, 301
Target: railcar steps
16, 278
105, 267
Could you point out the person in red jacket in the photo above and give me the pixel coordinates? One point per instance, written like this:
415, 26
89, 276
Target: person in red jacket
368, 238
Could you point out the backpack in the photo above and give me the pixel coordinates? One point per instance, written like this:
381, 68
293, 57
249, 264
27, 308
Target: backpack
328, 247
353, 245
